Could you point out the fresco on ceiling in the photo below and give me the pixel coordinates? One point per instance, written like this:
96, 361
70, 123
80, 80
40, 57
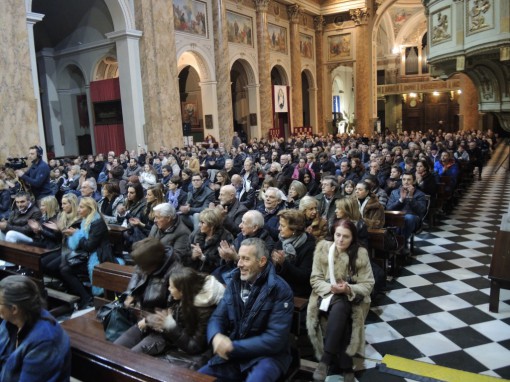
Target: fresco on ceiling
399, 16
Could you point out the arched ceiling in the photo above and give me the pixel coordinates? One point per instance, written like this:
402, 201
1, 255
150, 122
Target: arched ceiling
69, 23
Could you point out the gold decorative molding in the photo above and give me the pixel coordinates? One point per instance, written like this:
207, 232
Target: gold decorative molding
319, 23
294, 12
261, 5
359, 15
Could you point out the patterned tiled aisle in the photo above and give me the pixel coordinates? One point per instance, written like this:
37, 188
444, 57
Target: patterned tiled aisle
437, 310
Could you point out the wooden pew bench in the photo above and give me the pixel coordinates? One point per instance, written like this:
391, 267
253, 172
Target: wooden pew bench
114, 279
95, 359
29, 256
499, 272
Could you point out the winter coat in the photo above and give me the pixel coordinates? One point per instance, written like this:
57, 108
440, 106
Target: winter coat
415, 206
321, 287
111, 219
297, 271
209, 249
38, 178
151, 290
234, 216
176, 236
259, 328
5, 204
271, 220
43, 353
194, 342
319, 227
330, 214
199, 199
19, 221
372, 212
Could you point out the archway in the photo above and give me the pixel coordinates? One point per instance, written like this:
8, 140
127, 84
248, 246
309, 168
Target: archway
281, 121
191, 104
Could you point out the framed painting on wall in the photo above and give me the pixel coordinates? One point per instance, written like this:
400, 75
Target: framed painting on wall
306, 45
190, 16
239, 28
277, 38
339, 46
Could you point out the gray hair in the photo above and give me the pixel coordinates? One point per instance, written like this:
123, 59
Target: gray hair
277, 191
307, 202
255, 217
165, 209
260, 247
299, 187
91, 182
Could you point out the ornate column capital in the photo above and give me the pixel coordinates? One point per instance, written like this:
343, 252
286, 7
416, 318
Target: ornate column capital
261, 5
319, 22
294, 12
359, 15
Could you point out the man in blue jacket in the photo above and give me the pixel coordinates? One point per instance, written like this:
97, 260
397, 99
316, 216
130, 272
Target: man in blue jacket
38, 175
249, 330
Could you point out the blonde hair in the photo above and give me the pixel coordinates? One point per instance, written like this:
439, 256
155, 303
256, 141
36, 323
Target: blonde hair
351, 208
91, 204
307, 202
51, 204
212, 217
65, 220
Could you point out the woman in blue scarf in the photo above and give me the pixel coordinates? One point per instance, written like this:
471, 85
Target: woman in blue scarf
90, 246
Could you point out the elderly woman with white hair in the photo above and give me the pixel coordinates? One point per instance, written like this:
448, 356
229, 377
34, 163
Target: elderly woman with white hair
273, 203
316, 225
296, 191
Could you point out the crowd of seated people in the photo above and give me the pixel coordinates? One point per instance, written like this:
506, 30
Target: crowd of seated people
268, 219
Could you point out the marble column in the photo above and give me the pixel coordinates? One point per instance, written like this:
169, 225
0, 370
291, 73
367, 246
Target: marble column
363, 72
265, 94
222, 68
159, 76
18, 105
320, 23
296, 107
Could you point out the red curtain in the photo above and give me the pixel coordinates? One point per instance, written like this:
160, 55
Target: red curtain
105, 90
109, 137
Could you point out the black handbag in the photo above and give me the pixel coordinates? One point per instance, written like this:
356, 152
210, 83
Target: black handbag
75, 258
116, 318
390, 239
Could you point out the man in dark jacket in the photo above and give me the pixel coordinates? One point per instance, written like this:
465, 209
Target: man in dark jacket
327, 198
38, 175
171, 231
198, 200
412, 201
232, 209
16, 229
250, 329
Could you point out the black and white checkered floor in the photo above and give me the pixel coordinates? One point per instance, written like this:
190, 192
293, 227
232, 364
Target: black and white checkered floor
437, 311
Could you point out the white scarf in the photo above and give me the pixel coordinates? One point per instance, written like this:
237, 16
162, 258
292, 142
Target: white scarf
324, 306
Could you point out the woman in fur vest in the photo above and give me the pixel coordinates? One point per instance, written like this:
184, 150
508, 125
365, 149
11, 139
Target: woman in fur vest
341, 283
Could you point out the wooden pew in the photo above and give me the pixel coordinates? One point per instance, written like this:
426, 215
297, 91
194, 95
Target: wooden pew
499, 272
95, 359
114, 279
24, 255
29, 256
115, 234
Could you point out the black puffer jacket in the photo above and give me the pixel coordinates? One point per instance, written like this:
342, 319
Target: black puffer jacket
150, 291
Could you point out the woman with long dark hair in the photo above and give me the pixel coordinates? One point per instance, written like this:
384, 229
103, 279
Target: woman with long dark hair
341, 283
182, 327
307, 178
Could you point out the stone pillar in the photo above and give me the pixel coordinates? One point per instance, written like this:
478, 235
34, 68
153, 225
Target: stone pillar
295, 67
18, 114
362, 70
320, 23
209, 92
222, 67
131, 91
157, 62
265, 94
468, 104
33, 18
